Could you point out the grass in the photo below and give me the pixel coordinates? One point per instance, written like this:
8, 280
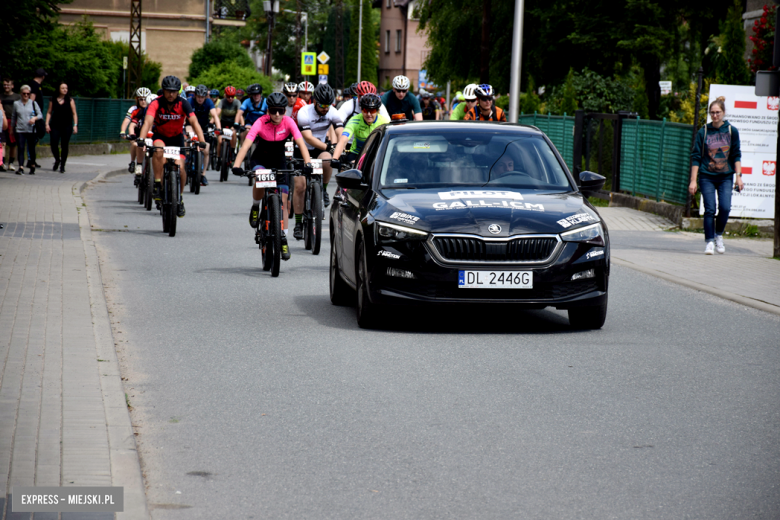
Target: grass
599, 203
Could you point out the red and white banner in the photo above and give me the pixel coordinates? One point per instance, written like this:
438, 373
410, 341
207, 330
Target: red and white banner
756, 119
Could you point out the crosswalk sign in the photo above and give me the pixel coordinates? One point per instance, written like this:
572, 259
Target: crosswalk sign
308, 63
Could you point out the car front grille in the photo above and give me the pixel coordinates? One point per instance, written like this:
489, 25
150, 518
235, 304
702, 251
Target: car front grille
473, 249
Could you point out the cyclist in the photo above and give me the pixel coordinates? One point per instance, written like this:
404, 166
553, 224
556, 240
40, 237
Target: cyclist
431, 110
204, 110
468, 102
305, 90
134, 128
189, 92
351, 107
270, 132
167, 114
360, 127
226, 111
136, 155
214, 95
253, 107
290, 91
241, 95
398, 102
347, 95
314, 121
486, 109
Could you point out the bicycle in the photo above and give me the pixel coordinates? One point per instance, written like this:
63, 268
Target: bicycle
211, 139
192, 166
171, 193
312, 205
227, 154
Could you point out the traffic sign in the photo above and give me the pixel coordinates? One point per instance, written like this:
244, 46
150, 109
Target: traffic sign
323, 57
323, 78
307, 63
322, 69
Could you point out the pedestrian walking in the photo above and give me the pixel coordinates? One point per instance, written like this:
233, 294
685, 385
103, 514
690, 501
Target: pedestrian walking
8, 97
3, 129
62, 121
25, 113
715, 159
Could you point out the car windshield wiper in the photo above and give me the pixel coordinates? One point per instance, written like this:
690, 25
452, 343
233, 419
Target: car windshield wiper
400, 187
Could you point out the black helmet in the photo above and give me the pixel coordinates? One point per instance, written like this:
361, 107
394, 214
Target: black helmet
201, 90
254, 88
171, 83
353, 89
324, 95
370, 101
276, 100
159, 92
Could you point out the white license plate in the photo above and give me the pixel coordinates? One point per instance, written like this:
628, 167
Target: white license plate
265, 179
495, 279
316, 166
171, 152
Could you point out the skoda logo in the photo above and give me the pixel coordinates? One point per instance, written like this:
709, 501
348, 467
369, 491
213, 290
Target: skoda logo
494, 228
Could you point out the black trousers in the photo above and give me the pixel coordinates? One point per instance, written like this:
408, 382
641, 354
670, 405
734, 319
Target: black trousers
56, 136
30, 140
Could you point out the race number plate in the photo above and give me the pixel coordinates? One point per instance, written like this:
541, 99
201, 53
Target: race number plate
149, 142
495, 280
265, 179
226, 132
316, 165
171, 152
288, 149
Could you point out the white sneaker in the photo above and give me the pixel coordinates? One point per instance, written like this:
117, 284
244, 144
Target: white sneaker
719, 247
710, 249
11, 168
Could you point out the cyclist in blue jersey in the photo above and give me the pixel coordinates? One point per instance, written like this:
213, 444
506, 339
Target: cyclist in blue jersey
204, 110
253, 107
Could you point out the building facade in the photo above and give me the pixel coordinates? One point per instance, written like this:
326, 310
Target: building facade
402, 49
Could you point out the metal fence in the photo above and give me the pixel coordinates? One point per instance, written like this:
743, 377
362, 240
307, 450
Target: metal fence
655, 159
559, 129
99, 119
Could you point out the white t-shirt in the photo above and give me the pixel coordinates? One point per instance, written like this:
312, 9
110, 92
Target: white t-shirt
309, 119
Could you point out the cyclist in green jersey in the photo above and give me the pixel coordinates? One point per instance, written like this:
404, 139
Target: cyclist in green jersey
459, 112
360, 126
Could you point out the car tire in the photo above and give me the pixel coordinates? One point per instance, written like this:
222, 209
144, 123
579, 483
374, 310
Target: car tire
588, 318
340, 292
367, 312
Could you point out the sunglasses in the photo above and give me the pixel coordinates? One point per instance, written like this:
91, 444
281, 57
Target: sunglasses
229, 97
401, 91
276, 111
25, 93
370, 111
324, 107
485, 98
290, 95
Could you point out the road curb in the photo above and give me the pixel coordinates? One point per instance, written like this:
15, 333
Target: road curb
125, 460
742, 300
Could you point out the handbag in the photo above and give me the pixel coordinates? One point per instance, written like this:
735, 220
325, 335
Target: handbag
40, 126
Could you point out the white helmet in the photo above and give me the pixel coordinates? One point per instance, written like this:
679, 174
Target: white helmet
468, 92
142, 92
401, 83
305, 86
290, 88
189, 88
151, 97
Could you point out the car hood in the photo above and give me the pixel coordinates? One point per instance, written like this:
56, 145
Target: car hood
490, 213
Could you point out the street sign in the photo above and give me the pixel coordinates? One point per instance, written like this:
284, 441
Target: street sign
323, 78
308, 67
666, 87
323, 57
124, 62
322, 70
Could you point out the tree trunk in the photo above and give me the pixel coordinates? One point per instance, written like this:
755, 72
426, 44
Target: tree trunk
484, 55
652, 68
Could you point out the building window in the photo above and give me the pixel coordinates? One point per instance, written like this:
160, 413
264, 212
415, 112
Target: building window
398, 40
389, 5
387, 41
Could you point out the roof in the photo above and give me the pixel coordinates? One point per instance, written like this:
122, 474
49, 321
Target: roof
475, 126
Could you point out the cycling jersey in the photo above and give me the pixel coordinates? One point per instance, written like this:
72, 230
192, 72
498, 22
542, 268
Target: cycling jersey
251, 112
269, 140
299, 104
351, 107
408, 105
496, 114
459, 112
202, 112
169, 118
229, 110
132, 111
138, 117
358, 128
429, 112
309, 119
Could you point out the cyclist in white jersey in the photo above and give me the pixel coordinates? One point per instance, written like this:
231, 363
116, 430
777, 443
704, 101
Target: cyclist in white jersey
351, 107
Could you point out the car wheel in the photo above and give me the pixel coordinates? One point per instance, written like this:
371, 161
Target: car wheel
588, 318
367, 312
340, 292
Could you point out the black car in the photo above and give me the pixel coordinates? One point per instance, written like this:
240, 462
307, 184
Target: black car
467, 212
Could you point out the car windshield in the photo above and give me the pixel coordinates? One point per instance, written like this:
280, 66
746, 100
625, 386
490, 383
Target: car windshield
477, 158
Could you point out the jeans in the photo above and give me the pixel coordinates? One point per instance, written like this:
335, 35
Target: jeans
709, 185
29, 139
60, 135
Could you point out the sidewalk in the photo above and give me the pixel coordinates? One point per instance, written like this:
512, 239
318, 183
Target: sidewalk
745, 274
63, 416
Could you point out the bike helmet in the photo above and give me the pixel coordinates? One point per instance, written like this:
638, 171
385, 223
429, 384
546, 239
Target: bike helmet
401, 83
151, 97
201, 90
239, 92
324, 94
459, 96
189, 88
484, 90
468, 92
370, 100
171, 83
230, 91
159, 92
254, 88
290, 88
277, 100
142, 92
365, 87
425, 95
305, 86
214, 93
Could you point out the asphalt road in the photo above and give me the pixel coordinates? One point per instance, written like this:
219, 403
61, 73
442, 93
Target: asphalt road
254, 397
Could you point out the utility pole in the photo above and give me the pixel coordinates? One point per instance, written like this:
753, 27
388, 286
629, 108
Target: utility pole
338, 58
360, 39
208, 20
517, 54
298, 38
134, 66
697, 107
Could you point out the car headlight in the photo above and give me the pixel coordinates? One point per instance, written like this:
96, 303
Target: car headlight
591, 234
393, 233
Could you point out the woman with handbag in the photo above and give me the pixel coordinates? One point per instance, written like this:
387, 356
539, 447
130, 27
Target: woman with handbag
61, 122
25, 116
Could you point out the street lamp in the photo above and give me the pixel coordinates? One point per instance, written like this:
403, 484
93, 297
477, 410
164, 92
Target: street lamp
270, 8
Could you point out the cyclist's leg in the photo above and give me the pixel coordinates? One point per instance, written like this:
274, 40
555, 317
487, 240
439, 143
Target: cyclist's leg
157, 160
204, 156
327, 169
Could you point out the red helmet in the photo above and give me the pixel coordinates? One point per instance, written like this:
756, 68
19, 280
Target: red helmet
365, 87
230, 91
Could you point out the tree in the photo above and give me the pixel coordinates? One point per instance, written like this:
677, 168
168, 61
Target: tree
763, 41
18, 22
368, 58
215, 52
734, 70
230, 73
569, 102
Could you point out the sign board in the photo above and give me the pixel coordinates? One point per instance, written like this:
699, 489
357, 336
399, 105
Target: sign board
124, 62
756, 119
308, 67
323, 78
323, 57
666, 87
422, 81
322, 70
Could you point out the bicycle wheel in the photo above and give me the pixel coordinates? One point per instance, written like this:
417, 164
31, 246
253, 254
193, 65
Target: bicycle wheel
316, 218
198, 172
149, 179
173, 207
275, 232
307, 217
190, 169
223, 172
141, 191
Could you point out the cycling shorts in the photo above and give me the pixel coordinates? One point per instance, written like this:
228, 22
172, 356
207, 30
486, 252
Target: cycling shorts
173, 140
282, 179
314, 153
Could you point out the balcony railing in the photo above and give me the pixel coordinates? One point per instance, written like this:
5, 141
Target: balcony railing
231, 10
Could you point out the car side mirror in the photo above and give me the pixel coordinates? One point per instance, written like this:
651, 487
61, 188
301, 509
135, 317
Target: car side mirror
350, 180
591, 182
